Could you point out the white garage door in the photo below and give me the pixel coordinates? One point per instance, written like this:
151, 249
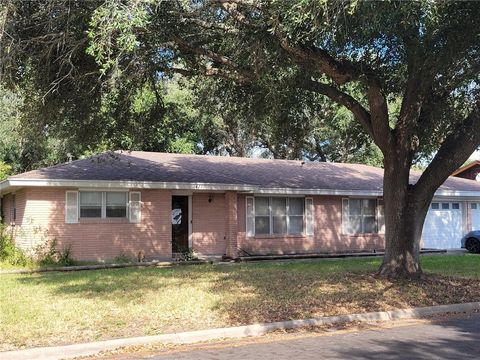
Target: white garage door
443, 227
475, 211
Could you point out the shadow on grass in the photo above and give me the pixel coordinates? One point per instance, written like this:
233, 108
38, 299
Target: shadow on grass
127, 283
266, 292
287, 295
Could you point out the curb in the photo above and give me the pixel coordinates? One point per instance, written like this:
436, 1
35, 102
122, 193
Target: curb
87, 349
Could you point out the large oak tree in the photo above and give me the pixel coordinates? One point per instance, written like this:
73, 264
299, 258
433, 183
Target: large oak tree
366, 56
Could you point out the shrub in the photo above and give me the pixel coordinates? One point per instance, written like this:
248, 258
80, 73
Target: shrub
123, 258
65, 256
9, 253
47, 254
187, 255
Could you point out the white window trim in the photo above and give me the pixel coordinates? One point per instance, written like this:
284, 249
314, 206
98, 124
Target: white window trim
67, 221
380, 203
271, 233
346, 221
129, 217
249, 232
305, 217
14, 207
104, 205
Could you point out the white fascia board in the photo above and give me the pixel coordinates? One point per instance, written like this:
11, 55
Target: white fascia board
4, 185
122, 184
456, 195
331, 192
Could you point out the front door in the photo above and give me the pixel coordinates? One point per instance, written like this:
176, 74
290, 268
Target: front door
179, 224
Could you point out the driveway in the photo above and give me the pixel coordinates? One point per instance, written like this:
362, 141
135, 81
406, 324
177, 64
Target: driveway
453, 338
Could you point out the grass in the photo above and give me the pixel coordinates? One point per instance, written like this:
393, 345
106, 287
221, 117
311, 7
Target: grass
467, 265
60, 308
35, 265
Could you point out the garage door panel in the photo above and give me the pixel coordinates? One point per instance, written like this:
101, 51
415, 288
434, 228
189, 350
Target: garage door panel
443, 227
475, 215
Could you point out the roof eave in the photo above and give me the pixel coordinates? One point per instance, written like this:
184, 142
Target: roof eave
119, 184
4, 185
465, 168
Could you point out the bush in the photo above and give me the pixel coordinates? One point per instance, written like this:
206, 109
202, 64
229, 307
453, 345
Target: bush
9, 253
123, 258
47, 254
187, 255
65, 257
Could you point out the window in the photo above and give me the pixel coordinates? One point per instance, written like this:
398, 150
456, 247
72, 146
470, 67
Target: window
98, 204
359, 216
296, 208
474, 206
262, 215
90, 204
278, 216
14, 205
116, 204
445, 206
435, 206
455, 206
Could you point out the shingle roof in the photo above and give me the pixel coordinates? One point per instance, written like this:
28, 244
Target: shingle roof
264, 173
466, 167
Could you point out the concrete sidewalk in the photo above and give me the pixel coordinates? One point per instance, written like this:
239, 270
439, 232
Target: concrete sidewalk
86, 349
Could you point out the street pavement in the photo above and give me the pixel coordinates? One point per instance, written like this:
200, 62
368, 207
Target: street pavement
452, 338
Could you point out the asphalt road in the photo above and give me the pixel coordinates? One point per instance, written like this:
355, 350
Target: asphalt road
454, 338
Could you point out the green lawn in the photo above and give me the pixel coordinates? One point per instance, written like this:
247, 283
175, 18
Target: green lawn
60, 308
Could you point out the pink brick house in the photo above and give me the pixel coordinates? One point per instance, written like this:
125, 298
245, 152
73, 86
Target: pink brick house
159, 204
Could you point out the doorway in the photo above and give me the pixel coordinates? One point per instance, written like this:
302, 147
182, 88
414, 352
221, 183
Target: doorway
180, 229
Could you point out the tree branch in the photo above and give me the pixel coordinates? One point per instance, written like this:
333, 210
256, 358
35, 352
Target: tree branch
341, 98
319, 60
210, 25
382, 133
204, 52
453, 152
211, 71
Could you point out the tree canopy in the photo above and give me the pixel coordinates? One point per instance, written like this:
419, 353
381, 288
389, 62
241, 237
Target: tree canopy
76, 105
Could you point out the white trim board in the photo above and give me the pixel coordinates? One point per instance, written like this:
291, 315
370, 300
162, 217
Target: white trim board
255, 189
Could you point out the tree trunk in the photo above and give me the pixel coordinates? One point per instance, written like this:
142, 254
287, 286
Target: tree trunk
405, 212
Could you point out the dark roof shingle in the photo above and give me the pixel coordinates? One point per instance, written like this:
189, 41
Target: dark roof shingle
265, 173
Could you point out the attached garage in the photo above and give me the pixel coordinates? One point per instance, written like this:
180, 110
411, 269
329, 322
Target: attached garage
475, 215
443, 227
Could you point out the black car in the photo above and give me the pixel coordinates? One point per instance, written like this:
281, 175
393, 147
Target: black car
471, 241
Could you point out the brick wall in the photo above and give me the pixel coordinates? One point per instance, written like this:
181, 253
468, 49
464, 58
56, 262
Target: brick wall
327, 236
231, 223
96, 239
41, 215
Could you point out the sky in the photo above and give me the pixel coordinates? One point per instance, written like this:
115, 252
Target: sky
475, 155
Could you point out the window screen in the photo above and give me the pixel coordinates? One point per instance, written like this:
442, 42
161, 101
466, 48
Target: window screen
90, 204
116, 204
